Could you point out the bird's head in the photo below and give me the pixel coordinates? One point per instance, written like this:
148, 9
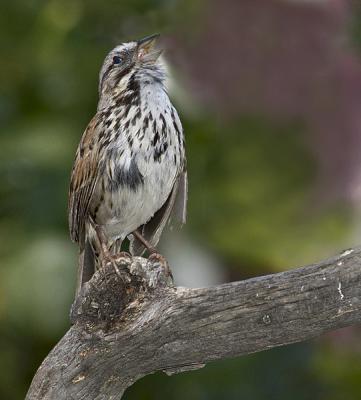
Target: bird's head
125, 60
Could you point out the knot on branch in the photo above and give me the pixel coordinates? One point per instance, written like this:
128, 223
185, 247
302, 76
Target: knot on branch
117, 292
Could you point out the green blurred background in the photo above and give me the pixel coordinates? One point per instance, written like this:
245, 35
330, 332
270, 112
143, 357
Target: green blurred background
269, 93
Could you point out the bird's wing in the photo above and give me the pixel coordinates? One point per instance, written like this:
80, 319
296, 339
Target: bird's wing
175, 206
82, 183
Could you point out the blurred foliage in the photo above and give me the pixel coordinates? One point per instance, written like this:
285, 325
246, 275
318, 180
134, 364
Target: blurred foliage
342, 378
253, 191
252, 201
355, 26
283, 373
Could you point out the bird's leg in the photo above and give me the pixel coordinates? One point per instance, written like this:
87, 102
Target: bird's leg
154, 255
104, 251
144, 241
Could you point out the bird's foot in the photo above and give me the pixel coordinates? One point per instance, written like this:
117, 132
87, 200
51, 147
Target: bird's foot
113, 261
123, 257
156, 257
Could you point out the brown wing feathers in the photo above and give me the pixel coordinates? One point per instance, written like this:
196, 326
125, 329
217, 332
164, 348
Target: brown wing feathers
82, 184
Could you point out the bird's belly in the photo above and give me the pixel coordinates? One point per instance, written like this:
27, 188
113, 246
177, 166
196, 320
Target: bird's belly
125, 209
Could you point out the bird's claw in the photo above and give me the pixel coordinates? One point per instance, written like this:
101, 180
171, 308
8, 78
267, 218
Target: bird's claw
123, 257
161, 260
113, 262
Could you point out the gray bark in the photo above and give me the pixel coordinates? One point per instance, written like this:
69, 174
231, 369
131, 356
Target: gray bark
125, 328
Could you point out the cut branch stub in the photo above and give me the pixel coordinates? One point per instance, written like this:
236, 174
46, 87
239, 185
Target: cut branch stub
113, 296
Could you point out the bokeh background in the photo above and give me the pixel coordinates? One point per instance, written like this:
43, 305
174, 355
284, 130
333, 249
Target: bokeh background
269, 93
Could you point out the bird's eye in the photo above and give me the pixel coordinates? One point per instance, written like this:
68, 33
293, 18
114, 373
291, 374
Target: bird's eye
117, 60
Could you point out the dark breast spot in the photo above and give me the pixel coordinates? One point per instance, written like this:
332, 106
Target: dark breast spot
155, 138
126, 124
159, 151
145, 122
163, 119
136, 116
104, 144
126, 177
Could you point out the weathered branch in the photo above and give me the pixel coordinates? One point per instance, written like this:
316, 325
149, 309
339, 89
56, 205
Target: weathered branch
126, 328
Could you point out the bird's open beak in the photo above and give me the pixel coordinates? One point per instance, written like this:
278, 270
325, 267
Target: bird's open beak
146, 49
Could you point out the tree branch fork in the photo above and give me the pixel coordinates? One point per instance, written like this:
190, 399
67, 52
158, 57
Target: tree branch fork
133, 324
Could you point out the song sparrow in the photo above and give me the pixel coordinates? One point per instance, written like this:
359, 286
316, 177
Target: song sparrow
129, 173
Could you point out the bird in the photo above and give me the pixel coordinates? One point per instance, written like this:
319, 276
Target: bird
129, 176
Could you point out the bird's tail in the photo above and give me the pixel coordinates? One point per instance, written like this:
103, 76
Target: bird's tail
86, 267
